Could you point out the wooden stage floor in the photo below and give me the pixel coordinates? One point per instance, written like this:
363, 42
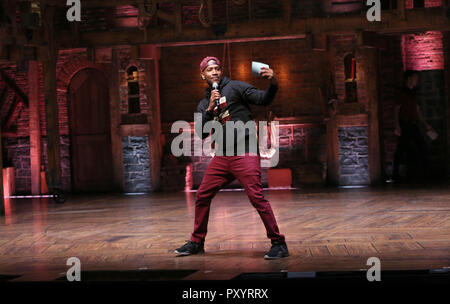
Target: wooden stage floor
327, 229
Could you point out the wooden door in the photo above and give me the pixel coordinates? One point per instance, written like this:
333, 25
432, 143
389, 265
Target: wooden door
90, 132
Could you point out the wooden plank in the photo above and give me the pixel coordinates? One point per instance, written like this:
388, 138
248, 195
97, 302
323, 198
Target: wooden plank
2, 200
371, 75
153, 73
35, 128
332, 152
178, 17
401, 8
49, 56
114, 108
287, 11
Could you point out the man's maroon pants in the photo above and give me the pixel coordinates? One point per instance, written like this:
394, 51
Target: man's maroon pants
222, 170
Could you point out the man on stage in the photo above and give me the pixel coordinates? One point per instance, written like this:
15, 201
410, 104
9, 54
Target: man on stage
230, 102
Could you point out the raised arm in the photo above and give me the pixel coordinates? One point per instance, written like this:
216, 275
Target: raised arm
259, 97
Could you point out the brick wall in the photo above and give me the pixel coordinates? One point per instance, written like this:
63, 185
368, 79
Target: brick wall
126, 62
338, 7
423, 51
341, 46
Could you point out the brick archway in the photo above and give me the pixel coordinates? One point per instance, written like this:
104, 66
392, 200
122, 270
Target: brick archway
69, 69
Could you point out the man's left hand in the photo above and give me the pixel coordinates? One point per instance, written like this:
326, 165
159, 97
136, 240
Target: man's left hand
266, 73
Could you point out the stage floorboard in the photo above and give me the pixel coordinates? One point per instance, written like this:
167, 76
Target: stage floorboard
327, 229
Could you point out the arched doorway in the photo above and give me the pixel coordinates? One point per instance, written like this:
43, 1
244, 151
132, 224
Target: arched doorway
90, 136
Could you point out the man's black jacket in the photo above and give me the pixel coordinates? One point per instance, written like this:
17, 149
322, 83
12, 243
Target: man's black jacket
234, 107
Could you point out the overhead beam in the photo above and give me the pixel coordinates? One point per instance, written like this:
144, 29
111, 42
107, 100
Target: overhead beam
415, 20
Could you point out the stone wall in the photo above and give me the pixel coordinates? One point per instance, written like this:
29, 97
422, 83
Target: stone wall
136, 159
353, 156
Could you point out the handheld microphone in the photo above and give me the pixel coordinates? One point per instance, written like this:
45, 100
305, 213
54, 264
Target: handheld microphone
215, 86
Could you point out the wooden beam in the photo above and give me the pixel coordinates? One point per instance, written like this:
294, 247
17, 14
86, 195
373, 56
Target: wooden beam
416, 20
51, 104
287, 11
370, 67
401, 8
13, 85
332, 152
12, 114
35, 127
2, 200
103, 3
114, 108
152, 73
178, 17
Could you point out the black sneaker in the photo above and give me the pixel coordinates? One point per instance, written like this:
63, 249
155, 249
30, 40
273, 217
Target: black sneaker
190, 248
277, 251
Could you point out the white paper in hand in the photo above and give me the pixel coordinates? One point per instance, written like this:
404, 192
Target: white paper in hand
256, 67
432, 134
